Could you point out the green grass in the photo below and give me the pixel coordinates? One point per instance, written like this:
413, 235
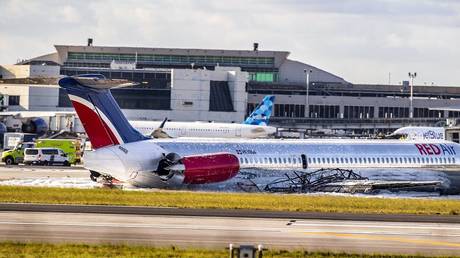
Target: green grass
10, 249
273, 202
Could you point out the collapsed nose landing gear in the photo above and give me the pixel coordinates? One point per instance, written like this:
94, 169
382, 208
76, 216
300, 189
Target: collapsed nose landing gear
105, 180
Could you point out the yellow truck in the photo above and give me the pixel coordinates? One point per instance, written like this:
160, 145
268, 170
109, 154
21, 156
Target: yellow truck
71, 147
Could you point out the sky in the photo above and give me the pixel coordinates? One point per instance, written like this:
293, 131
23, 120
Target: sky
362, 41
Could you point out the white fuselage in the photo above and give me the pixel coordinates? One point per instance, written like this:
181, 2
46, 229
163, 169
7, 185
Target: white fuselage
421, 133
136, 162
323, 153
202, 129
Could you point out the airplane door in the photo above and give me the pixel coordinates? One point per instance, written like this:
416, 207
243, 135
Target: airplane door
304, 161
238, 132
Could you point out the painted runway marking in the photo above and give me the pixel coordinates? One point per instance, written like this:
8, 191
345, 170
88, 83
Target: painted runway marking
437, 227
384, 238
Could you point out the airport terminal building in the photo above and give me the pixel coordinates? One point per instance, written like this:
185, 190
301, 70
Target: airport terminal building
225, 85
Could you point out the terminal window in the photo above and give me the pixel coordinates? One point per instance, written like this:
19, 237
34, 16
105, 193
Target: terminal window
13, 100
220, 98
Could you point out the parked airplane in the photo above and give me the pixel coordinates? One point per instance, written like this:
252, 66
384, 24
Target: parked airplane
420, 133
123, 153
255, 126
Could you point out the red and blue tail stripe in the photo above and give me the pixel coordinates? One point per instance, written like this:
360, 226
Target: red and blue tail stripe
99, 113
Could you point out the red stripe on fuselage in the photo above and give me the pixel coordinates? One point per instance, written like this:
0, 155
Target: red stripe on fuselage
98, 132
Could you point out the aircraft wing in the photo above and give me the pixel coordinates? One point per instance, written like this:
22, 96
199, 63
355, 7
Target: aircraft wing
27, 114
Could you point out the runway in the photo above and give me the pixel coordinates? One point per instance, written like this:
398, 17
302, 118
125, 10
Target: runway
218, 232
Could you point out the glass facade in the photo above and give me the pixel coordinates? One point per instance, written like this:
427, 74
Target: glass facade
220, 98
358, 112
425, 112
263, 76
172, 59
289, 110
324, 111
153, 90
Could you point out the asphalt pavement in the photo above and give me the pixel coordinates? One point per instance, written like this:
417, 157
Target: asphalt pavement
218, 232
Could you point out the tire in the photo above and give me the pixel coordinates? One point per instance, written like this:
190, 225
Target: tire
66, 163
9, 161
45, 163
94, 175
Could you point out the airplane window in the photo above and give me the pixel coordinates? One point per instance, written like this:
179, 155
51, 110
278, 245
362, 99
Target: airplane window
294, 160
346, 160
360, 160
323, 160
309, 160
241, 160
289, 160
373, 160
270, 160
356, 160
275, 161
436, 160
284, 160
279, 160
337, 160
327, 160
341, 160
266, 160
431, 160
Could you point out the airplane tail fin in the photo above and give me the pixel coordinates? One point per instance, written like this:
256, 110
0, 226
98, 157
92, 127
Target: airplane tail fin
262, 113
98, 111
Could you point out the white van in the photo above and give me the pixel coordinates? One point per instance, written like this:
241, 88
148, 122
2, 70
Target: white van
45, 156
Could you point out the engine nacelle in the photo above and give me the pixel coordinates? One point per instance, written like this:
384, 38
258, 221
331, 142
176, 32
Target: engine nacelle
35, 125
210, 168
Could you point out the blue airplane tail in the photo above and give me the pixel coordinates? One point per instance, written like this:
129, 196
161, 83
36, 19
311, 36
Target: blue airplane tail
261, 114
98, 111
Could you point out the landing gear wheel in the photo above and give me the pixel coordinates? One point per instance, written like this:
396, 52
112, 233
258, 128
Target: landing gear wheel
94, 175
9, 161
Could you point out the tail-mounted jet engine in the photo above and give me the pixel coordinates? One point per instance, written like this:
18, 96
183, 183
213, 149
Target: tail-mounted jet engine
199, 169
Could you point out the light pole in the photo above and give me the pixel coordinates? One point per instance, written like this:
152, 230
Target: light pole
307, 78
411, 109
